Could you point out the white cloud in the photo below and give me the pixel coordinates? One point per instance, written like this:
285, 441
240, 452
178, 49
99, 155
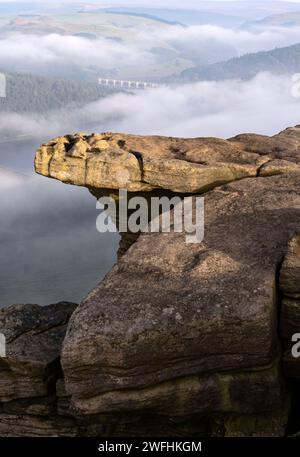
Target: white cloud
264, 105
244, 41
58, 49
19, 51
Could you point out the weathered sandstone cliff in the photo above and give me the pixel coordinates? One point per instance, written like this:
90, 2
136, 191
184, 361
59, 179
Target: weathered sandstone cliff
178, 338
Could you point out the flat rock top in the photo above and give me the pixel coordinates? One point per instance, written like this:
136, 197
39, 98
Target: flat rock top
285, 145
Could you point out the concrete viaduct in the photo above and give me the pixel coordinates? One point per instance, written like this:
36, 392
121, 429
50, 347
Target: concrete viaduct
127, 84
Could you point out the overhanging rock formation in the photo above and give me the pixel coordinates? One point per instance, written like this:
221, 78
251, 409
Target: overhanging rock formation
113, 161
180, 330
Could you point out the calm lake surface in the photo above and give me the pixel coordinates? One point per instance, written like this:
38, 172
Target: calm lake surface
50, 249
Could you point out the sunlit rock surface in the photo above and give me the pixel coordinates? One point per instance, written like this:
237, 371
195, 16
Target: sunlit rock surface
138, 163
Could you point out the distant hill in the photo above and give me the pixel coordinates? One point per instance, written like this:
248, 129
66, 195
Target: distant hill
142, 15
278, 61
167, 55
181, 16
31, 93
276, 20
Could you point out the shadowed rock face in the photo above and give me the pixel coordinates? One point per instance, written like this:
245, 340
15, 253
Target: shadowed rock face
28, 373
176, 330
34, 336
290, 309
170, 310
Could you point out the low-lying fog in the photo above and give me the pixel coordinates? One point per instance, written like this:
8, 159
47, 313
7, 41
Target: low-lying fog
50, 249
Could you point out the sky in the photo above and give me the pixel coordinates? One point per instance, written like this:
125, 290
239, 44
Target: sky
254, 8
156, 3
120, 1
245, 8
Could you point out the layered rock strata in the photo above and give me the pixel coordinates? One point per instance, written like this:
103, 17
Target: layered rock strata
29, 372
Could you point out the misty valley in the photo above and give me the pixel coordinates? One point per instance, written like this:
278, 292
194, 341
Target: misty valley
48, 237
